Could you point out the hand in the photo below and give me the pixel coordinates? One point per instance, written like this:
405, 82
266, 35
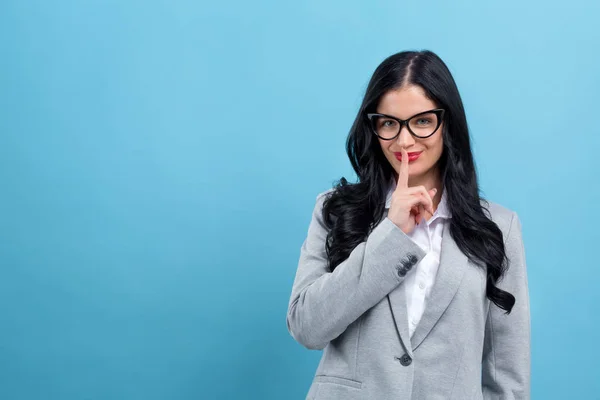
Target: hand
409, 203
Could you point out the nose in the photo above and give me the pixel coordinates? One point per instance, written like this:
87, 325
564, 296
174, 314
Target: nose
405, 139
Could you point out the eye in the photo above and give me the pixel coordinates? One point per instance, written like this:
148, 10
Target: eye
387, 123
423, 121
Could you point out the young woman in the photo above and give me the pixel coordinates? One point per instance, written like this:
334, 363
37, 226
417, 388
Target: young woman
413, 284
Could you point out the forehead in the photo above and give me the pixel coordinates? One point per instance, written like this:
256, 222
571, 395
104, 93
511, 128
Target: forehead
405, 102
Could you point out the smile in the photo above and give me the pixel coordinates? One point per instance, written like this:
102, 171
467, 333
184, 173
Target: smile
411, 156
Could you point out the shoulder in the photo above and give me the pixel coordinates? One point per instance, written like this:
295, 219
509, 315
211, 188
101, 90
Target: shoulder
320, 200
502, 215
322, 195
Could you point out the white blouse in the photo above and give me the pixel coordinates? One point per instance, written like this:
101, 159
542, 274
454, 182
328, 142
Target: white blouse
420, 279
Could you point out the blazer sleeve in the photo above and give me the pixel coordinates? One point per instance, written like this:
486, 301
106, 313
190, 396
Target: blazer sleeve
322, 303
506, 361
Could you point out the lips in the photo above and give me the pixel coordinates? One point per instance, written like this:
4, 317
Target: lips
411, 156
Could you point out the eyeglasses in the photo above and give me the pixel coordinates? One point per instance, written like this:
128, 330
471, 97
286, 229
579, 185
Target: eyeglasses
421, 125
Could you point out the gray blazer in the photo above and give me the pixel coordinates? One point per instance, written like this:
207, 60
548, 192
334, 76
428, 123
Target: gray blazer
464, 347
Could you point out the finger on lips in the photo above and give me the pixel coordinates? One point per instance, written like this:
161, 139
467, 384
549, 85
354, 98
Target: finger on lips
426, 199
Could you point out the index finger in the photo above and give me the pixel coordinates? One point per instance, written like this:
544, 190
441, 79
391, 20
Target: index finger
403, 174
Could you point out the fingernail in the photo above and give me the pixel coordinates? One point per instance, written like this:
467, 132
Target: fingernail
434, 190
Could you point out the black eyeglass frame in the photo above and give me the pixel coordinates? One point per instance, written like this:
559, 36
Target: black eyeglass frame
438, 111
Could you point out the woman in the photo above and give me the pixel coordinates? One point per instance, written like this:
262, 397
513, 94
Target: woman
414, 285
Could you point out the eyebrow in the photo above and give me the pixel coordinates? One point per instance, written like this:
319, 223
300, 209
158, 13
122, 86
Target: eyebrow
414, 115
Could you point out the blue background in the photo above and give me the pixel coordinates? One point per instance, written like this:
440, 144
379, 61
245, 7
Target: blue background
159, 162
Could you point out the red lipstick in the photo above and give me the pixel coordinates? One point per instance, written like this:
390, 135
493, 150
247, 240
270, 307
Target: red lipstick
411, 156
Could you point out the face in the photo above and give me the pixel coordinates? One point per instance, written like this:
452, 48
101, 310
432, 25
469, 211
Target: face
404, 103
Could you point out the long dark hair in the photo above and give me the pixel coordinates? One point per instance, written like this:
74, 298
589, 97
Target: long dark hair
352, 210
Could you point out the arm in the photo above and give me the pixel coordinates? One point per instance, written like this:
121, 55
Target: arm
322, 303
506, 354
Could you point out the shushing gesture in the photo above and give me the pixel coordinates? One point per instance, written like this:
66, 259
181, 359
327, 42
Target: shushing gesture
409, 203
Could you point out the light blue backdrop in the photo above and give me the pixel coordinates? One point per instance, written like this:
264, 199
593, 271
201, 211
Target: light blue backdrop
159, 161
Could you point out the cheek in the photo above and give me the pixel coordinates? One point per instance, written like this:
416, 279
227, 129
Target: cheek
385, 148
436, 146
434, 151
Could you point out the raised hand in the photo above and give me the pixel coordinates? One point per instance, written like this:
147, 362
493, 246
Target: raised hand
409, 203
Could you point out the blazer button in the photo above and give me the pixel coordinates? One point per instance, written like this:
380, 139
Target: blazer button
409, 261
405, 360
401, 271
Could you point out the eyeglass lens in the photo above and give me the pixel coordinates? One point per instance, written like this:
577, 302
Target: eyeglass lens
420, 125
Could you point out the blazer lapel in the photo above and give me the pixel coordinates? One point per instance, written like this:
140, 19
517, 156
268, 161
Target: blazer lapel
397, 298
453, 264
397, 301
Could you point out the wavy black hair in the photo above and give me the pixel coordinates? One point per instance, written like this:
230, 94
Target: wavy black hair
352, 210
